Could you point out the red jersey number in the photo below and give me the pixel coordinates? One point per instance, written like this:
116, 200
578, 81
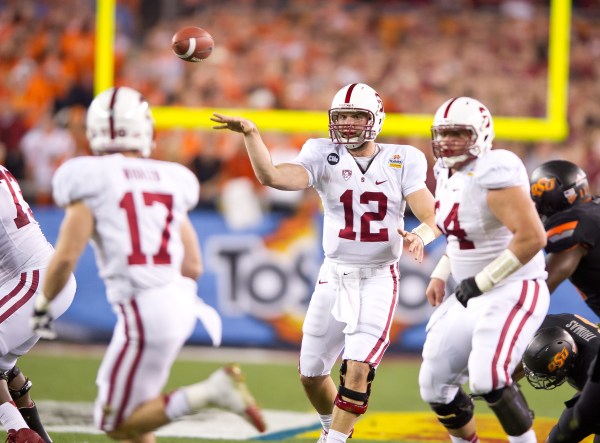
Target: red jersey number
137, 257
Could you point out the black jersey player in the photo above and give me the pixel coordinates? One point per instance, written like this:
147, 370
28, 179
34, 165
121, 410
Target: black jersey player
571, 216
565, 348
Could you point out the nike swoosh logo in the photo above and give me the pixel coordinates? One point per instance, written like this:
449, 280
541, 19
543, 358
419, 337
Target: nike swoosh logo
377, 182
322, 282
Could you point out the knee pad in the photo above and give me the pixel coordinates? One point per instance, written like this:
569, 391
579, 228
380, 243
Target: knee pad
457, 413
9, 376
510, 406
353, 395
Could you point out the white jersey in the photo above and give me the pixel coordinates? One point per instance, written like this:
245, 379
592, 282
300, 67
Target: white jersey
23, 246
138, 206
362, 211
475, 235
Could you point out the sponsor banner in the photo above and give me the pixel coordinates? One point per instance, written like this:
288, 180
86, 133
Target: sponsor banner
261, 280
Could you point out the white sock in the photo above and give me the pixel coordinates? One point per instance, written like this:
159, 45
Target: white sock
336, 437
198, 395
527, 437
10, 417
177, 405
472, 439
325, 421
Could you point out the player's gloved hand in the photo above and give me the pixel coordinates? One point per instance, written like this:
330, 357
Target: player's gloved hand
41, 322
466, 290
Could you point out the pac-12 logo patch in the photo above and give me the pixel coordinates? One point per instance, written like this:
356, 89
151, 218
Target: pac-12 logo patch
346, 173
333, 158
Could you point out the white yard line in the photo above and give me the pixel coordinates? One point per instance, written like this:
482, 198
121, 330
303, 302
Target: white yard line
210, 424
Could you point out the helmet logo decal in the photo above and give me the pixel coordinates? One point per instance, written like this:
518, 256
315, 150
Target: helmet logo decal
486, 118
333, 159
558, 360
379, 102
542, 185
346, 173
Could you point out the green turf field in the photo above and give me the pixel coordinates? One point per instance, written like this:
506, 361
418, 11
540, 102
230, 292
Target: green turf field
69, 377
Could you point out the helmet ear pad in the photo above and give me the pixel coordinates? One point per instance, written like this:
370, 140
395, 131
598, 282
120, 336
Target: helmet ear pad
549, 357
557, 185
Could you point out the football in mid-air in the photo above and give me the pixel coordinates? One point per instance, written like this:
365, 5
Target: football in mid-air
192, 44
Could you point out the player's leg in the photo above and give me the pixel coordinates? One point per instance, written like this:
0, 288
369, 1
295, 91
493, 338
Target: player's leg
509, 316
364, 349
148, 336
322, 343
444, 369
19, 386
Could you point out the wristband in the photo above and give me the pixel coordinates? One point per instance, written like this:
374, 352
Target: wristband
41, 304
442, 269
497, 270
425, 233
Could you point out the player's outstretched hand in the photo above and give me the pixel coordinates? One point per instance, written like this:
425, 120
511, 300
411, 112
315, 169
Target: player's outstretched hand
466, 290
235, 124
415, 244
435, 291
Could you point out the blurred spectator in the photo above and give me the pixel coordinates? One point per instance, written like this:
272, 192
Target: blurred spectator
45, 147
291, 54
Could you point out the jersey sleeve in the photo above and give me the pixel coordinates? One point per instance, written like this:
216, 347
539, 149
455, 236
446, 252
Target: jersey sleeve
75, 180
311, 158
501, 169
415, 171
190, 185
567, 229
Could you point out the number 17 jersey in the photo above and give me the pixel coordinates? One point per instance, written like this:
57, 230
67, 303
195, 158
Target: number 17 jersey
138, 205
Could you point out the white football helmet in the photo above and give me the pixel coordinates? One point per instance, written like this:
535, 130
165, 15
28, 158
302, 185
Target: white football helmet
361, 98
462, 114
119, 120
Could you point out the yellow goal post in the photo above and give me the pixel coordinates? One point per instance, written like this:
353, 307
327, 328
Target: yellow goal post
553, 127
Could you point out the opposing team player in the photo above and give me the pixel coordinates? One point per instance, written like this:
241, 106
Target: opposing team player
25, 255
565, 349
135, 212
494, 252
364, 187
571, 217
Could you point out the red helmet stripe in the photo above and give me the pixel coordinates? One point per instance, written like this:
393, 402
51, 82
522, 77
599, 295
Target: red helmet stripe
448, 107
349, 92
111, 116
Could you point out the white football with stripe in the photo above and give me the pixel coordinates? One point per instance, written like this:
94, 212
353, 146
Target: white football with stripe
192, 44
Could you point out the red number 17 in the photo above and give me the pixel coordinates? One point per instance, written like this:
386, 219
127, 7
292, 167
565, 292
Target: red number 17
137, 257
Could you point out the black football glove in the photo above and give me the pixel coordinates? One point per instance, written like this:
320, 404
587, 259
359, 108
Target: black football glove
41, 323
466, 290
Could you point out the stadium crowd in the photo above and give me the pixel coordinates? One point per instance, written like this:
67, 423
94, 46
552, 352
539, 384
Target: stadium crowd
284, 54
